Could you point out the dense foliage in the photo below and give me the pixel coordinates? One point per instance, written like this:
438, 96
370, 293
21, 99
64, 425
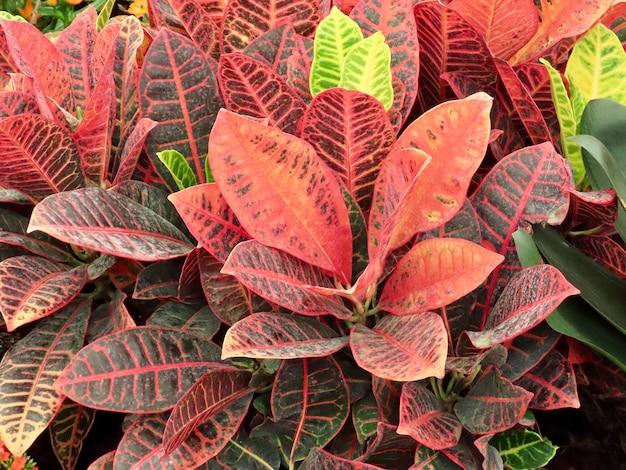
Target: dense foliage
277, 236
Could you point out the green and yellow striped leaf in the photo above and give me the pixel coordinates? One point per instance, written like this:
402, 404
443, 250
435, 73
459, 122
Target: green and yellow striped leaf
179, 168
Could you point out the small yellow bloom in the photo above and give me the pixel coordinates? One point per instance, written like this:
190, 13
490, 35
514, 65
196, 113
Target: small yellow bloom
28, 10
138, 8
53, 3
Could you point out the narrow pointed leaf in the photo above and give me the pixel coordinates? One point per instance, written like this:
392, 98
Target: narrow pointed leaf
283, 279
287, 200
434, 273
28, 399
110, 223
254, 89
405, 349
423, 417
351, 132
40, 157
68, 429
198, 24
137, 370
129, 153
178, 167
527, 299
492, 405
319, 458
212, 393
32, 288
280, 336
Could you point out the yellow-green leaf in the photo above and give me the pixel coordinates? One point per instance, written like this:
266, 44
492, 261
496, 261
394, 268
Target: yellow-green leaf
179, 168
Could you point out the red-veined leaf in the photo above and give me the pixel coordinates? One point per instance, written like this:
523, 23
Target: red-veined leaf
527, 299
407, 348
110, 223
103, 463
211, 394
389, 449
37, 58
244, 452
319, 458
253, 89
283, 279
109, 318
245, 20
531, 184
423, 417
194, 319
68, 429
159, 280
605, 251
28, 371
429, 459
365, 417
280, 336
434, 273
209, 219
39, 157
129, 153
286, 199
448, 44
178, 88
493, 459
313, 393
396, 21
387, 394
345, 444
527, 349
137, 370
559, 19
275, 47
351, 132
492, 405
299, 70
455, 135
13, 103
38, 243
505, 25
32, 288
553, 383
189, 285
198, 24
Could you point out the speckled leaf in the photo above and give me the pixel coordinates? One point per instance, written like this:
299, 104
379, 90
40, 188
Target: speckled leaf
319, 458
195, 319
68, 429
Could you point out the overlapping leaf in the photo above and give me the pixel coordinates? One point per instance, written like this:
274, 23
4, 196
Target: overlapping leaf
28, 372
319, 458
287, 200
365, 417
389, 449
244, 452
275, 48
110, 223
280, 336
40, 157
32, 288
137, 370
406, 348
197, 320
68, 430
198, 23
283, 279
159, 280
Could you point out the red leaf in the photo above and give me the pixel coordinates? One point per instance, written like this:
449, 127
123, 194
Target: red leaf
351, 132
13, 103
126, 162
253, 89
605, 251
553, 383
492, 405
527, 299
505, 25
389, 449
284, 198
211, 394
423, 417
280, 336
387, 396
137, 370
110, 223
239, 27
434, 273
209, 219
32, 288
319, 458
405, 349
275, 47
559, 19
283, 279
39, 157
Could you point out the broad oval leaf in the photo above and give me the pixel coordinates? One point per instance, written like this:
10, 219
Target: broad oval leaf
436, 272
138, 370
110, 223
32, 288
492, 405
283, 279
28, 372
281, 192
423, 417
523, 448
39, 157
280, 336
214, 392
319, 458
527, 299
404, 349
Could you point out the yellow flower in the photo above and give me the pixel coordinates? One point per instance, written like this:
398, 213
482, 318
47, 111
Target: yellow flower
138, 8
28, 10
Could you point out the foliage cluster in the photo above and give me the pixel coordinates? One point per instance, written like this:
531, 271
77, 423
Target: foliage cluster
199, 229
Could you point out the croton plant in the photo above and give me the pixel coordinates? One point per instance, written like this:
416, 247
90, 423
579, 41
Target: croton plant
277, 235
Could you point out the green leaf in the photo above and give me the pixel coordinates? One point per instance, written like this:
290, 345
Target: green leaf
208, 174
367, 68
597, 65
179, 168
105, 14
334, 36
523, 450
527, 251
568, 121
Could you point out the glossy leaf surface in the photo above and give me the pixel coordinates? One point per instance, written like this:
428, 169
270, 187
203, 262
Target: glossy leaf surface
524, 448
68, 430
319, 458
